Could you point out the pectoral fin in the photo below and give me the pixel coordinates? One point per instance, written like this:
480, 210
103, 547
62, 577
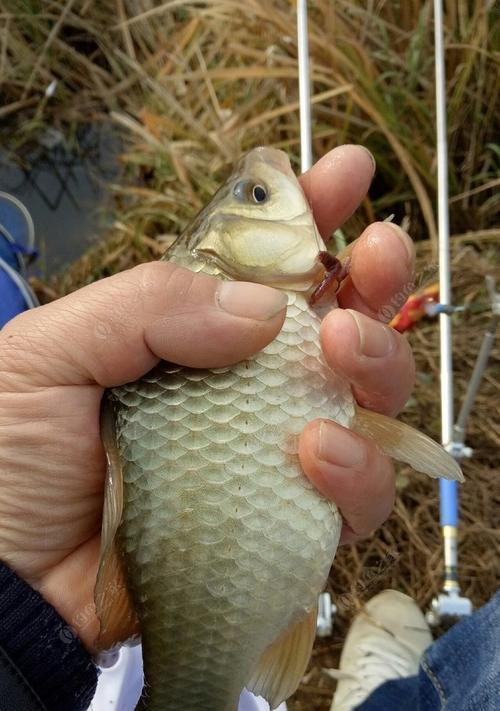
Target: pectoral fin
406, 444
113, 604
283, 664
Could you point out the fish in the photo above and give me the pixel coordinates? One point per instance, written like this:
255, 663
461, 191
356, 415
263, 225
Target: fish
215, 545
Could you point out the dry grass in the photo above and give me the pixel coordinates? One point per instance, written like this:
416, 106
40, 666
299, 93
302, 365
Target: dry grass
191, 85
197, 83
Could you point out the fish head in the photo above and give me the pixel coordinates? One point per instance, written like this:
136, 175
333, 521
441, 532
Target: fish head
259, 226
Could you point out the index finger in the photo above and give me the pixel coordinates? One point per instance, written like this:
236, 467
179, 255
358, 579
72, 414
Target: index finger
336, 185
381, 272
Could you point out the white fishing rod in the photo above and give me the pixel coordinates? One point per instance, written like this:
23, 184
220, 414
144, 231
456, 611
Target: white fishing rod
450, 602
326, 609
304, 86
448, 494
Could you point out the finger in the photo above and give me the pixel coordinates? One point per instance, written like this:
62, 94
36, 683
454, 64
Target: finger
117, 329
350, 471
375, 358
336, 185
380, 273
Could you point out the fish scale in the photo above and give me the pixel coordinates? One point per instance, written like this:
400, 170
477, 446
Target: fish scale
224, 538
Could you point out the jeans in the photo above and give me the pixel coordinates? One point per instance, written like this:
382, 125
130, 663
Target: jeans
459, 672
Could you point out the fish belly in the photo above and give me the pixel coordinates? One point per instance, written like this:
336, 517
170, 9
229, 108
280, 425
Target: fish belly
225, 542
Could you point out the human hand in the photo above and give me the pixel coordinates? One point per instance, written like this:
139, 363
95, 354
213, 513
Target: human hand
56, 361
375, 358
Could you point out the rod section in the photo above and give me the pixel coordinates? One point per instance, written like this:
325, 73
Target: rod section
304, 87
476, 378
444, 231
448, 489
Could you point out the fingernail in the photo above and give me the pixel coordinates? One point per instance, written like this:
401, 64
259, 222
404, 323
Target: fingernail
374, 164
250, 300
376, 340
405, 241
339, 447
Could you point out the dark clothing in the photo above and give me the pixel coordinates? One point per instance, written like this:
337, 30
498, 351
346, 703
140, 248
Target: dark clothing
43, 665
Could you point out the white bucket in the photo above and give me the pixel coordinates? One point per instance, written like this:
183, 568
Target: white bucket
120, 685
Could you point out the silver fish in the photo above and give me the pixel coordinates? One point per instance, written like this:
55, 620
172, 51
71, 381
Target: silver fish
211, 531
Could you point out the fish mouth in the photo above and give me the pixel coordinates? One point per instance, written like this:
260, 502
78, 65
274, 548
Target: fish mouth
303, 280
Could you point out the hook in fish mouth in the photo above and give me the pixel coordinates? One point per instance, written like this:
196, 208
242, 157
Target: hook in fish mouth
335, 273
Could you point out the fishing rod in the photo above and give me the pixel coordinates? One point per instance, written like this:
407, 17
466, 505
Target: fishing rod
450, 602
304, 86
326, 608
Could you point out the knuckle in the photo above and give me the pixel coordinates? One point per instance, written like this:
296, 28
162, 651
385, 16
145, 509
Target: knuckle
148, 275
18, 339
177, 284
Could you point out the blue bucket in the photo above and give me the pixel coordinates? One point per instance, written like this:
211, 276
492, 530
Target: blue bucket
17, 236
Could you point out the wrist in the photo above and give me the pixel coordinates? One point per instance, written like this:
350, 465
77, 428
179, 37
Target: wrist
69, 588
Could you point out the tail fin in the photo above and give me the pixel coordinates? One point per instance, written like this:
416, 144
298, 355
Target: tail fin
406, 444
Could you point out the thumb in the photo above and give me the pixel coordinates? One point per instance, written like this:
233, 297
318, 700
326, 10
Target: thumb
115, 330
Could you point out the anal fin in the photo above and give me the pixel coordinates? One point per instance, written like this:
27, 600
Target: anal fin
283, 664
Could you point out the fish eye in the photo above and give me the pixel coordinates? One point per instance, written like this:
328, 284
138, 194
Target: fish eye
248, 191
259, 193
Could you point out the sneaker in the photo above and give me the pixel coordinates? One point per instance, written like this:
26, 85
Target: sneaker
386, 641
16, 248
